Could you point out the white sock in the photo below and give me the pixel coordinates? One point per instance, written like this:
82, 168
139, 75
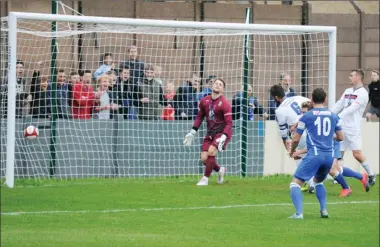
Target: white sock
311, 182
329, 177
367, 168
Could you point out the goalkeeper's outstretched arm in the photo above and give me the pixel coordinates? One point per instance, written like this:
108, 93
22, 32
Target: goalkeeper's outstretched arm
197, 122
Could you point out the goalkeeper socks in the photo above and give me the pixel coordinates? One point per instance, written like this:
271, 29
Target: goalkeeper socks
367, 168
347, 172
210, 164
340, 179
216, 166
296, 195
320, 192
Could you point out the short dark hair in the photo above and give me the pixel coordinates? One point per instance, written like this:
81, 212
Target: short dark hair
359, 72
82, 72
124, 66
73, 73
318, 96
375, 71
20, 62
277, 90
107, 54
283, 74
61, 71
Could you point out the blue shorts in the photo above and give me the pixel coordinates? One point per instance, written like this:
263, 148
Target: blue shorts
337, 153
314, 165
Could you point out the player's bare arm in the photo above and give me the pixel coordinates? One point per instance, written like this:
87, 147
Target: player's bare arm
295, 140
339, 135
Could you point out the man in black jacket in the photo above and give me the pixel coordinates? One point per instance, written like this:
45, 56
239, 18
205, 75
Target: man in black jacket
126, 93
136, 67
374, 96
185, 99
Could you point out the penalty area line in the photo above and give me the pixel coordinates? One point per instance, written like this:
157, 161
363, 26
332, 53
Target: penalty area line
176, 209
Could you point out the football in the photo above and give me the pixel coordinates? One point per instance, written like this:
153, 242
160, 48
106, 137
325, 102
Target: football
31, 132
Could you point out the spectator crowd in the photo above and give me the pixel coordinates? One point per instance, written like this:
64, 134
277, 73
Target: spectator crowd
134, 90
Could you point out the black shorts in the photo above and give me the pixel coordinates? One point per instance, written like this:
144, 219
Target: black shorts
374, 110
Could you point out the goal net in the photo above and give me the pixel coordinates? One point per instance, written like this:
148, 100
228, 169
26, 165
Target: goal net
115, 97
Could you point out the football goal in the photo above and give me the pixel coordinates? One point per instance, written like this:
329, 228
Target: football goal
114, 97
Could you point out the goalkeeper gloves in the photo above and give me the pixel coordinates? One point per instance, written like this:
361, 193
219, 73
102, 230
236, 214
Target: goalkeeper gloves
221, 140
189, 137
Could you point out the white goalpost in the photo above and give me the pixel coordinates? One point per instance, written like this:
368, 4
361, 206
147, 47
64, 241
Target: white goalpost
139, 146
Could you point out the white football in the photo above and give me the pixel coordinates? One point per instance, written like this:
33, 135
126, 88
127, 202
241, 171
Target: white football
31, 132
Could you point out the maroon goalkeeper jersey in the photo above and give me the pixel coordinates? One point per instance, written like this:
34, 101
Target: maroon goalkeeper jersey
218, 114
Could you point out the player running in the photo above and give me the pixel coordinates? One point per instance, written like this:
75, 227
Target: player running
350, 109
218, 113
320, 124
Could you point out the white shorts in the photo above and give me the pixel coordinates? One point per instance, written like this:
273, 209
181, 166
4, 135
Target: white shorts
351, 142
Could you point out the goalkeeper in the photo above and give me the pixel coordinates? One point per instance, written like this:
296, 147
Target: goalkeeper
217, 110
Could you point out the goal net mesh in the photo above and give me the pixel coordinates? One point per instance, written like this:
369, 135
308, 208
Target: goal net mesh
114, 133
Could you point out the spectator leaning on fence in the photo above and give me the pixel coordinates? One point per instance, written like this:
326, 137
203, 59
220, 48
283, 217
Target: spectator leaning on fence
74, 79
83, 97
185, 100
158, 74
126, 92
374, 96
113, 78
104, 103
36, 80
150, 96
42, 99
107, 65
23, 96
253, 105
285, 81
62, 94
168, 112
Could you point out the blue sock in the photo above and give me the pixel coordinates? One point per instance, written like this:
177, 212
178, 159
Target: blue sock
340, 179
320, 192
296, 195
347, 172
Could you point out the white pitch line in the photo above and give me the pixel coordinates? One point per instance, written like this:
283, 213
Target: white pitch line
179, 209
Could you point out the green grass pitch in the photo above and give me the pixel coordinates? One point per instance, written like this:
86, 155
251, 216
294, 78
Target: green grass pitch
174, 212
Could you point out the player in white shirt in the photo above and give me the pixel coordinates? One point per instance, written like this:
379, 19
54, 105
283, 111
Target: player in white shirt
350, 109
288, 113
287, 116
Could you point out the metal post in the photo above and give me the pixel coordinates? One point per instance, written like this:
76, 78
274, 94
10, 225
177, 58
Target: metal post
11, 121
53, 71
332, 69
244, 127
304, 51
80, 38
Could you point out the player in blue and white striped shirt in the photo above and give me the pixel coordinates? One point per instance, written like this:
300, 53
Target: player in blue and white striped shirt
320, 124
